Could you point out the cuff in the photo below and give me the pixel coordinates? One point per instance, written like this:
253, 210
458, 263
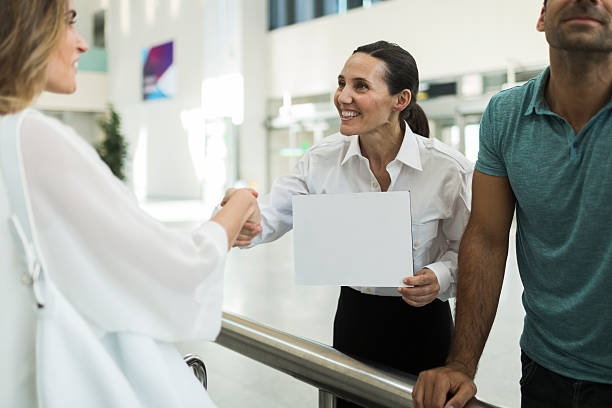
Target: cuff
215, 211
215, 233
444, 278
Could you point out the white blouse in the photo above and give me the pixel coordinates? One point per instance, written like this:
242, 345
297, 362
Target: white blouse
438, 178
122, 270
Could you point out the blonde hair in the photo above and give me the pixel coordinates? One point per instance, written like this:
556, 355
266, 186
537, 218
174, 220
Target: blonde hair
29, 33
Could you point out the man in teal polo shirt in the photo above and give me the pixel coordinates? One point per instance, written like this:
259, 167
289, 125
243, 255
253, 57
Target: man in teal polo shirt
546, 152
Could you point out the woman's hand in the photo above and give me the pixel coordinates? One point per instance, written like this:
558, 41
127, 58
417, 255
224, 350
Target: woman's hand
424, 288
247, 233
251, 228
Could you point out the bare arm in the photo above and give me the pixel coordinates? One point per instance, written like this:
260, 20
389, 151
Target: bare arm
276, 216
482, 260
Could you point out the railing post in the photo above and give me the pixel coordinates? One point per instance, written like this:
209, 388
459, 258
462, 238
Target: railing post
326, 399
198, 367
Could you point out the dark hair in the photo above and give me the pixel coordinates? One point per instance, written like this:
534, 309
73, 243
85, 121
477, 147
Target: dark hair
401, 73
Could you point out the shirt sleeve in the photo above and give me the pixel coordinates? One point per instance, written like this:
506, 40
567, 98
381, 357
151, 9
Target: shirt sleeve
277, 207
446, 265
120, 268
490, 160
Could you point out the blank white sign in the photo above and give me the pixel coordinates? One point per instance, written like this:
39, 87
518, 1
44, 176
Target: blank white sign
357, 239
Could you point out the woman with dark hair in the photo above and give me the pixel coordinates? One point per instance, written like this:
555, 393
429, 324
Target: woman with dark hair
400, 74
384, 145
90, 319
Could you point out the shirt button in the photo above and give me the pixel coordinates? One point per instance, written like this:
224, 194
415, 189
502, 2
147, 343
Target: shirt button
416, 244
368, 290
374, 184
575, 144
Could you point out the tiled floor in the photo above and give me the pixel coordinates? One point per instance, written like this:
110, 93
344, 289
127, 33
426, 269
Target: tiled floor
259, 285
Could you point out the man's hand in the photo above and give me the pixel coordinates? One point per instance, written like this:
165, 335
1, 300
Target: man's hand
433, 386
424, 290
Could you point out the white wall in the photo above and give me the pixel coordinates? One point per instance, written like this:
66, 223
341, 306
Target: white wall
85, 11
253, 147
92, 92
130, 29
218, 37
208, 40
91, 95
446, 37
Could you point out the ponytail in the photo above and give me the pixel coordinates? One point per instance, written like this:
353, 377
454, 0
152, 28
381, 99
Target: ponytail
416, 118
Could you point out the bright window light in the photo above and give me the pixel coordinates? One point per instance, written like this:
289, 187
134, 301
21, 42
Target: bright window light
175, 7
150, 6
140, 165
455, 137
193, 123
471, 141
125, 17
223, 96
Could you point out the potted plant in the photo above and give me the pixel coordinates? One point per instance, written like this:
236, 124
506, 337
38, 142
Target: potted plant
113, 148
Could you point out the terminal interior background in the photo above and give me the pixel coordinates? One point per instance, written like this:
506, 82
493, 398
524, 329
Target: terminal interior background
250, 90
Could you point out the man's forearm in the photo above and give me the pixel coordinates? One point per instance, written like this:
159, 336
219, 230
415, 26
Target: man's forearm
482, 262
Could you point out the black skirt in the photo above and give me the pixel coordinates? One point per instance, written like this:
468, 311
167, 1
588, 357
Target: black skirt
386, 331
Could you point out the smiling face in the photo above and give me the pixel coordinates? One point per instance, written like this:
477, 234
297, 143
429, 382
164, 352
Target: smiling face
62, 66
577, 25
362, 98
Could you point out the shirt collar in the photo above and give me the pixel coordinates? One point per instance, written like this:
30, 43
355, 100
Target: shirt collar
353, 150
538, 104
408, 154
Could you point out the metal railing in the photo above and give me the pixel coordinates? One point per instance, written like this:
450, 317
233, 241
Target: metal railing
199, 368
331, 371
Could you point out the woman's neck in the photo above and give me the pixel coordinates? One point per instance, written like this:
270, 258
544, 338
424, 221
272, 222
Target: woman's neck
381, 145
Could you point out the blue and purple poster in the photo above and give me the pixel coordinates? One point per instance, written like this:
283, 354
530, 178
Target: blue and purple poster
158, 76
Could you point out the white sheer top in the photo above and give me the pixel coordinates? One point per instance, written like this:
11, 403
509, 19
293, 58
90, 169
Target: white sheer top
122, 270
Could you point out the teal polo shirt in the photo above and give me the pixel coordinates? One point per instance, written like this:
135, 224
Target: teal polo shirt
562, 182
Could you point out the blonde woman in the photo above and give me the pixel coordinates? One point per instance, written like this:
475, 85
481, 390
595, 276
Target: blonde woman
136, 285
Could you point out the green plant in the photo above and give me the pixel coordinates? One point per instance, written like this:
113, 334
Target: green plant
113, 149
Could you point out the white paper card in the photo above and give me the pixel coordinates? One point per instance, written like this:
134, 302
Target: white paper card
357, 239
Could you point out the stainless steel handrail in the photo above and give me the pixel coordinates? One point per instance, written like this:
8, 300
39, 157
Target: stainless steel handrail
319, 365
199, 368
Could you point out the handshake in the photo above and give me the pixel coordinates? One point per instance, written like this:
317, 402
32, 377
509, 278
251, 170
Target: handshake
251, 226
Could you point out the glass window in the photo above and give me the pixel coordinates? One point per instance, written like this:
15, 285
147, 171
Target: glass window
280, 13
471, 141
98, 29
287, 12
351, 4
325, 7
290, 13
276, 14
304, 10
